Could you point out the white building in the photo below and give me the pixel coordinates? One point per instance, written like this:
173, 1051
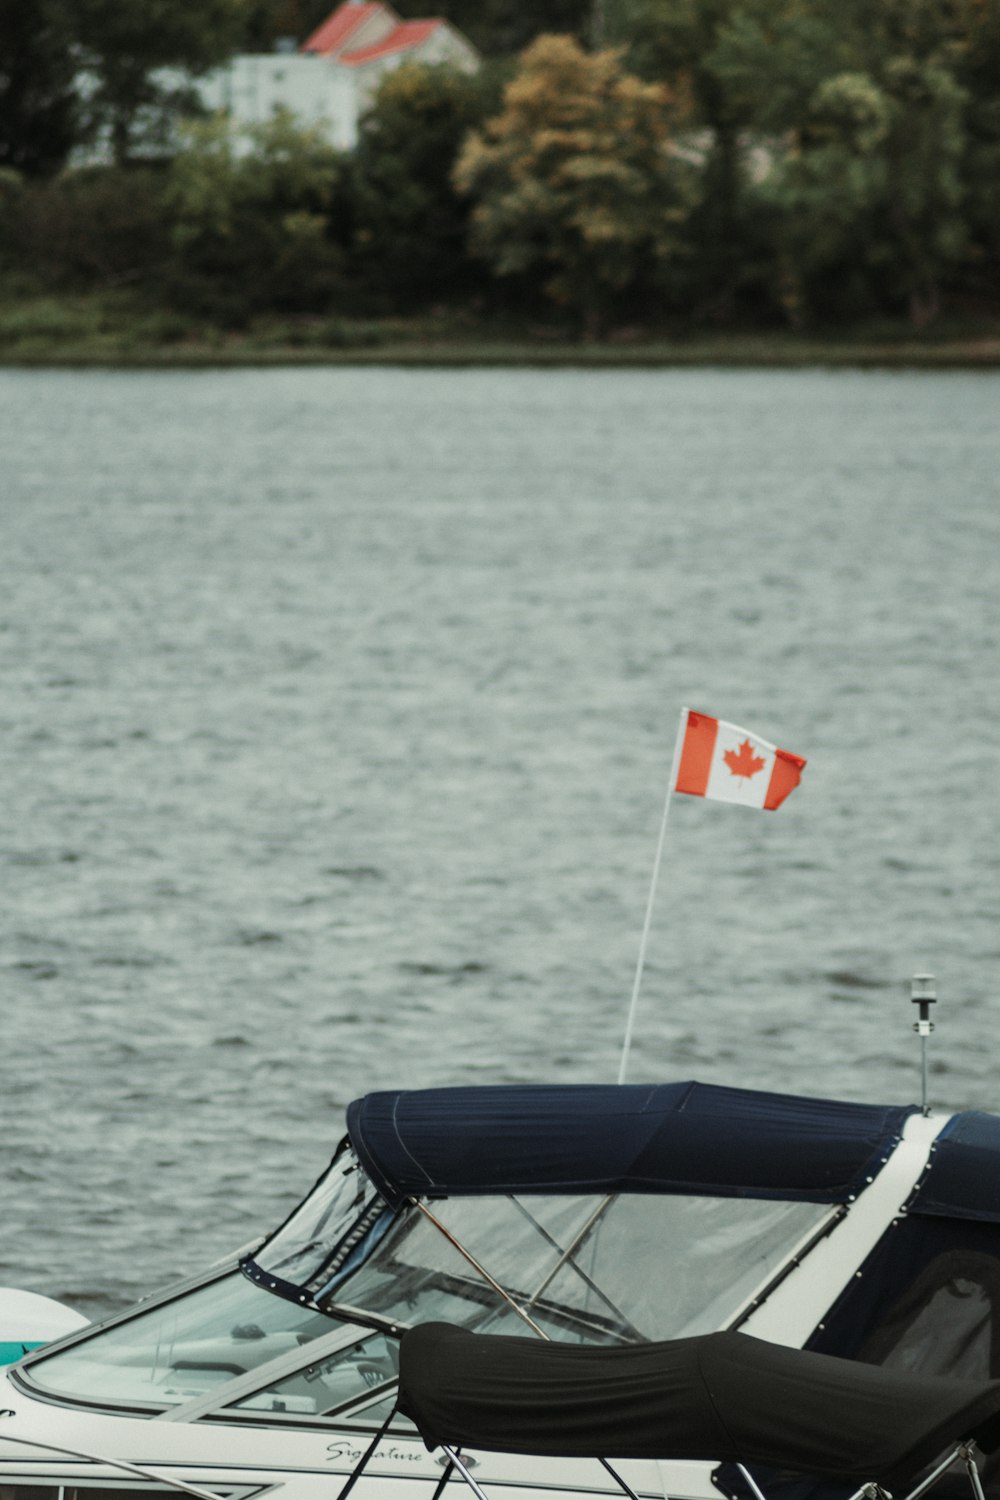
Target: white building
250, 87
331, 79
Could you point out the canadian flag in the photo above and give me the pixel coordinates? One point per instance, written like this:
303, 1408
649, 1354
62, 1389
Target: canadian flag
729, 764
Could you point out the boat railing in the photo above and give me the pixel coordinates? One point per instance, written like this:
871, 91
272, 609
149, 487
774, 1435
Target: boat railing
157, 1476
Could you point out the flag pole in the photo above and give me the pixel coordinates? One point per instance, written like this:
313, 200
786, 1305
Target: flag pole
627, 1044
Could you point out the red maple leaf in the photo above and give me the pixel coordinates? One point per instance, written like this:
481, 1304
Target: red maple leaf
743, 762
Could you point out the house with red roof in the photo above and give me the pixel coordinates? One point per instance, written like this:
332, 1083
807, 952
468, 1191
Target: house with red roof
369, 38
360, 23
330, 80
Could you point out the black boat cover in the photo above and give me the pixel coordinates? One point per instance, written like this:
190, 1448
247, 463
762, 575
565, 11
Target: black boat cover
634, 1138
722, 1397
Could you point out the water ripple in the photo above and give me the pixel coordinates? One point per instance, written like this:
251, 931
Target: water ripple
336, 710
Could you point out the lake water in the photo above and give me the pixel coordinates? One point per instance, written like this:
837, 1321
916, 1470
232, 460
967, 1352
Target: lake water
336, 710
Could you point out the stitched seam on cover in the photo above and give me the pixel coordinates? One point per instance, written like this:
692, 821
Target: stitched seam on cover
420, 1168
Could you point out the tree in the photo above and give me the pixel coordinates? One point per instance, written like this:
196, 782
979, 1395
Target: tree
677, 42
574, 178
674, 42
134, 56
251, 219
410, 223
867, 120
977, 69
870, 203
87, 228
38, 102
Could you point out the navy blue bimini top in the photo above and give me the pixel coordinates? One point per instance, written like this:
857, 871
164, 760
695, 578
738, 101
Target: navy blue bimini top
962, 1180
688, 1138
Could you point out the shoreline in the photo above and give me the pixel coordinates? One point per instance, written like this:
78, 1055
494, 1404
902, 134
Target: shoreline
88, 332
737, 352
953, 356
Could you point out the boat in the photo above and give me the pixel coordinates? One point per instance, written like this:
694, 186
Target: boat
604, 1220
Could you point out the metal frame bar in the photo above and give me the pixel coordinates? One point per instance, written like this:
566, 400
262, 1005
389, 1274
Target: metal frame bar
962, 1452
871, 1490
754, 1486
967, 1456
566, 1257
934, 1475
481, 1270
505, 1295
455, 1458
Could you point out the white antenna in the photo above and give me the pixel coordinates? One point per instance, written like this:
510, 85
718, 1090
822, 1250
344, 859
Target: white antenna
923, 993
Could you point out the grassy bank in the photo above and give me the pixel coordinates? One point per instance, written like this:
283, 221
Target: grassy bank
116, 331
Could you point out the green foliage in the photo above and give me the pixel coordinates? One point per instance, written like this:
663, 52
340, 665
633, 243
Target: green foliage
575, 180
124, 46
977, 69
409, 223
38, 105
86, 229
46, 319
676, 42
672, 41
867, 120
808, 159
868, 205
250, 219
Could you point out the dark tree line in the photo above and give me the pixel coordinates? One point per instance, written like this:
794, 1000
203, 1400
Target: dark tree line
75, 70
39, 110
47, 45
726, 162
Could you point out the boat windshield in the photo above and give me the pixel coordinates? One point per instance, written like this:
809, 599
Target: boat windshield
585, 1269
620, 1267
168, 1354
